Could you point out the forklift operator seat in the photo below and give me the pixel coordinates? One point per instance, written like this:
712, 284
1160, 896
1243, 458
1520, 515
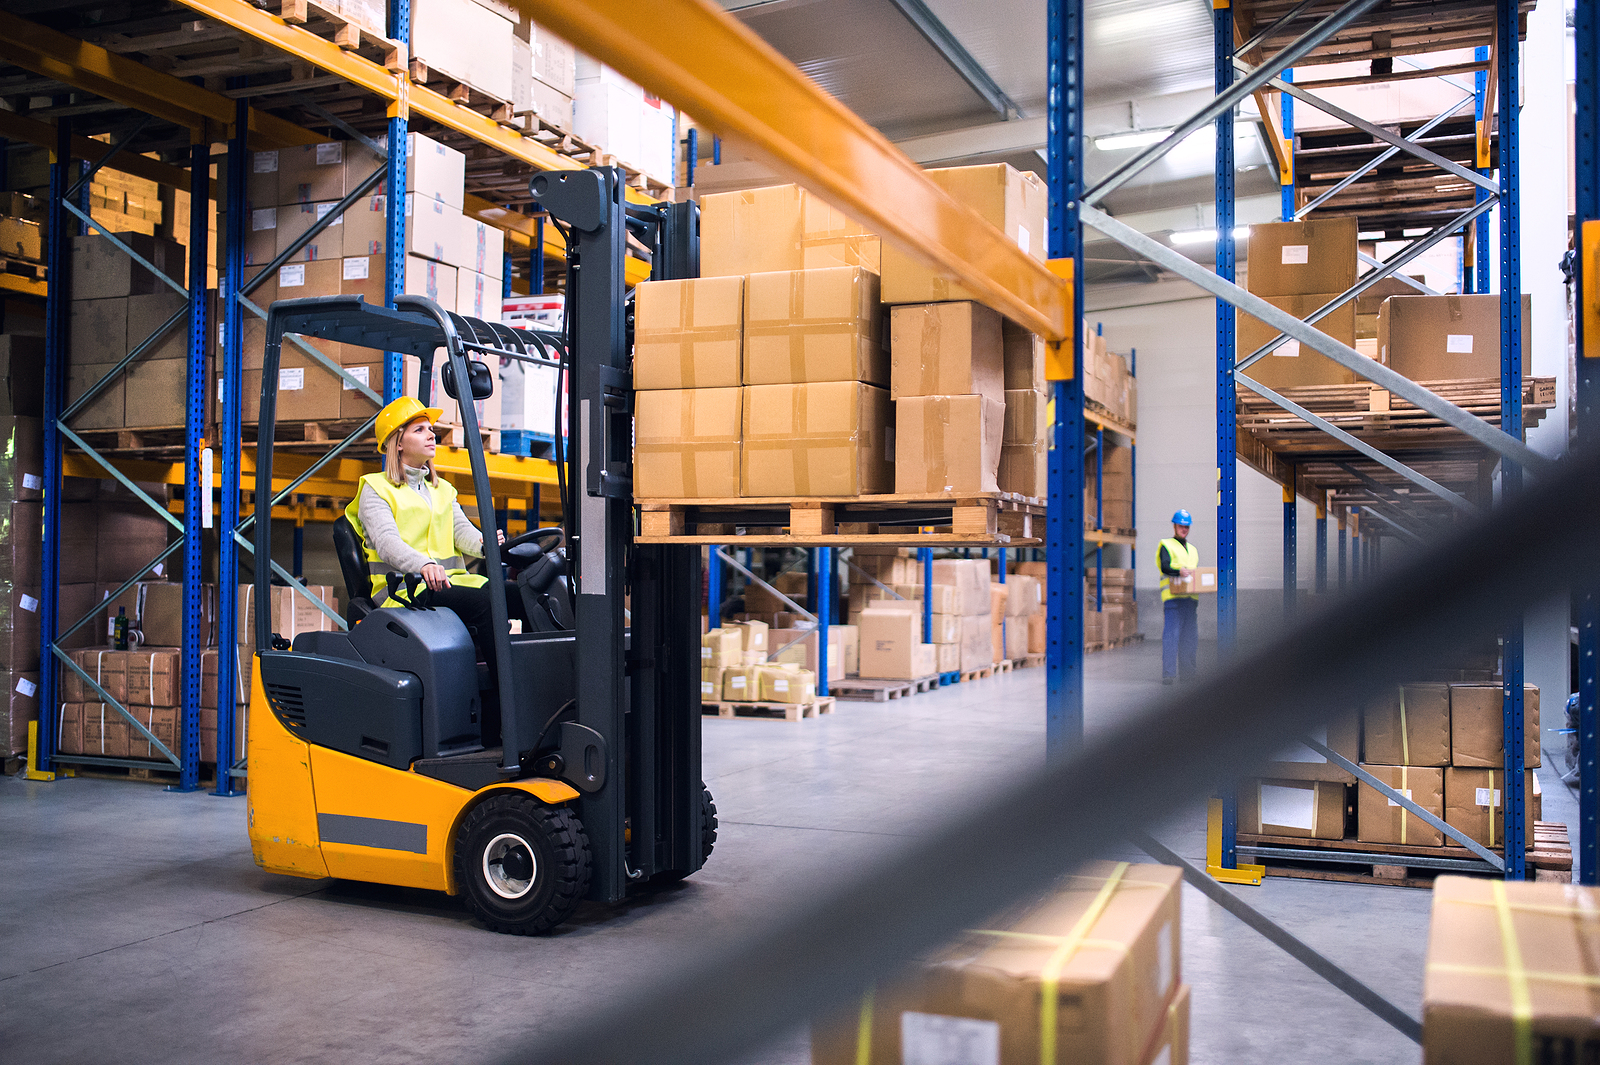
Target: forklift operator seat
353, 564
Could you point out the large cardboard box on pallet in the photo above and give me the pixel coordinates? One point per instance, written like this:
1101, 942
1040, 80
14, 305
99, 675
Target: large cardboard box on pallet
947, 444
688, 333
1446, 338
1300, 762
1013, 201
433, 170
1119, 997
466, 42
946, 349
1297, 258
21, 707
1474, 803
811, 326
1379, 819
1407, 725
1479, 1005
1025, 469
969, 579
781, 227
687, 443
1291, 364
1477, 725
892, 647
826, 439
1310, 809
1023, 357
101, 270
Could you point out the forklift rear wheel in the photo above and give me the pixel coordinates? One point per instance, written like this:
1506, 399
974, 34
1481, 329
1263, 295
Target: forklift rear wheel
522, 866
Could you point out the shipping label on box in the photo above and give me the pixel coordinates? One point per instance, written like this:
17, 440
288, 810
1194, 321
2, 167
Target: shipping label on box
827, 439
948, 444
806, 326
688, 333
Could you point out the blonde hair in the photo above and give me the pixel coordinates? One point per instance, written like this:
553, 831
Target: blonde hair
393, 468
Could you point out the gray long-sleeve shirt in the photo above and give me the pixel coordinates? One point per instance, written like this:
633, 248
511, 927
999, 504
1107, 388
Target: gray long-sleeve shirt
384, 535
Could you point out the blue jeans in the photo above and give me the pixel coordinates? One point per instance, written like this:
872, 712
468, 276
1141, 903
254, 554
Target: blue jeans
1180, 637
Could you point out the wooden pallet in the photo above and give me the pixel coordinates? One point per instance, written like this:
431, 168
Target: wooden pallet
881, 691
155, 774
768, 711
29, 269
992, 519
1002, 666
1027, 662
976, 674
1551, 857
331, 15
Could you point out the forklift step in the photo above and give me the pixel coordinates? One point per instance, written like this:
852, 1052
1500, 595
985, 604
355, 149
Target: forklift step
769, 711
991, 519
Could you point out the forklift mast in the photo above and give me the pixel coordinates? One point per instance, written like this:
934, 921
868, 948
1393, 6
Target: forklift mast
638, 676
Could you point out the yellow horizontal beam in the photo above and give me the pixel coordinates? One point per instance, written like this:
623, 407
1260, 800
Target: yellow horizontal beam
91, 68
23, 286
707, 63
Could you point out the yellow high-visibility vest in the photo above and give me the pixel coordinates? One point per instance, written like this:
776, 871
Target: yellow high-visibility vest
1182, 556
429, 529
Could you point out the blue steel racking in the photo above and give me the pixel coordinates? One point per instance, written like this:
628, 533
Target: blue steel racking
1587, 599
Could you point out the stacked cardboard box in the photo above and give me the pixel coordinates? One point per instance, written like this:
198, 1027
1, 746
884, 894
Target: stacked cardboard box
1441, 744
734, 668
124, 203
1116, 604
891, 643
1013, 201
948, 384
1445, 338
882, 573
1112, 493
467, 42
1025, 441
1122, 1000
1108, 379
765, 377
1013, 604
544, 76
624, 121
1299, 267
796, 643
971, 608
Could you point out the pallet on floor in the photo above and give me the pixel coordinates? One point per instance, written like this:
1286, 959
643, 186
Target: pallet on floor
868, 689
952, 676
983, 520
1027, 662
977, 674
1350, 860
768, 711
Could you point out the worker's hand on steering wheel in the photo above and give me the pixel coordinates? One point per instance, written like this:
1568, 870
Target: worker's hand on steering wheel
438, 580
500, 535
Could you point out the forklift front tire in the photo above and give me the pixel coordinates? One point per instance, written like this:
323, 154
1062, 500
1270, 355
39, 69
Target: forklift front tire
522, 866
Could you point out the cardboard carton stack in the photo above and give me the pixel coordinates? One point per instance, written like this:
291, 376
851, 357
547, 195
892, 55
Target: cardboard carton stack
972, 608
1299, 267
1018, 601
468, 43
767, 375
21, 529
734, 669
635, 127
1122, 1000
1444, 338
883, 574
1107, 379
1117, 606
544, 76
22, 220
1025, 441
891, 642
124, 203
796, 644
1113, 492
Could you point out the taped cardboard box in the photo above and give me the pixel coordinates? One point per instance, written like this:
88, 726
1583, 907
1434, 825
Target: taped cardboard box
1306, 809
1105, 945
105, 731
162, 721
687, 443
292, 613
942, 596
1511, 972
1037, 634
155, 676
889, 569
1477, 725
977, 642
1407, 725
1023, 357
1474, 803
892, 647
798, 647
946, 349
1295, 258
1012, 201
1379, 819
1025, 469
1297, 761
722, 649
1291, 364
1202, 581
689, 333
969, 580
21, 707
948, 657
752, 634
1445, 338
1027, 417
787, 684
101, 270
1026, 595
827, 439
808, 326
781, 227
948, 444
944, 628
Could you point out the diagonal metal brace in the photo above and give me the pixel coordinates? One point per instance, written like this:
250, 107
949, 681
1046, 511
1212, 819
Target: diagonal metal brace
109, 700
1501, 443
1395, 525
740, 566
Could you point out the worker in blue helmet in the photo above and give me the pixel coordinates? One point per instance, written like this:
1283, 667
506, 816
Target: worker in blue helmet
1176, 559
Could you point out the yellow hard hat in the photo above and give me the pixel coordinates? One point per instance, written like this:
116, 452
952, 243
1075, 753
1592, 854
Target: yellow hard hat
400, 413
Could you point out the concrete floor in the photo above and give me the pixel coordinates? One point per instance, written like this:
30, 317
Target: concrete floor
134, 926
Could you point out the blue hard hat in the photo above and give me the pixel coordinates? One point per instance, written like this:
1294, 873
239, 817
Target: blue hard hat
1182, 517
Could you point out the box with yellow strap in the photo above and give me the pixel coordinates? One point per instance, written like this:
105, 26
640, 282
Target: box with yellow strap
1513, 975
1089, 976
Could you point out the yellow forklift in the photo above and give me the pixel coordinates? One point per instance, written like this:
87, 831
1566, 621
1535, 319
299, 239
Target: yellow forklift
386, 753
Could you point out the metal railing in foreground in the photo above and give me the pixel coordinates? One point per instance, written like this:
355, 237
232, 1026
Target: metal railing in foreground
760, 980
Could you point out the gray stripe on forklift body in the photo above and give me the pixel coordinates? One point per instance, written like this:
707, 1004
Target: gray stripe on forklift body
373, 832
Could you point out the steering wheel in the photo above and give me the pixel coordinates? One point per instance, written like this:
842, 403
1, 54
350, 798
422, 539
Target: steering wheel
537, 534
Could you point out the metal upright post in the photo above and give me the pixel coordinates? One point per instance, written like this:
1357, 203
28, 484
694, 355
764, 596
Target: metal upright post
1005, 651
1226, 430
1286, 175
229, 417
394, 245
1099, 517
691, 156
1291, 554
1587, 420
1343, 565
1064, 524
507, 268
713, 586
811, 579
1322, 550
298, 560
197, 501
824, 556
1507, 107
1355, 545
925, 556
536, 259
1480, 228
55, 375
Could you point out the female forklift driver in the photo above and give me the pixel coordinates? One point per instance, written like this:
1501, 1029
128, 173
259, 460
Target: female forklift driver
410, 522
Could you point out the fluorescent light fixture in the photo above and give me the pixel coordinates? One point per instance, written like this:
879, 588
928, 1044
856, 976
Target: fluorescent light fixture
1205, 236
1137, 138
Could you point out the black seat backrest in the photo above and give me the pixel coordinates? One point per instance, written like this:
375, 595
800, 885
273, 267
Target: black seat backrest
353, 564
